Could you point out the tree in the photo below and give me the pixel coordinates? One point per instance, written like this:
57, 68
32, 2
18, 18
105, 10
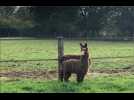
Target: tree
55, 18
126, 21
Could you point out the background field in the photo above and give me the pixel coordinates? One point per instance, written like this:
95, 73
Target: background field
28, 55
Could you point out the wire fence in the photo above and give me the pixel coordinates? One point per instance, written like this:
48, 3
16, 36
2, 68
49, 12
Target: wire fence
38, 57
123, 38
10, 46
57, 59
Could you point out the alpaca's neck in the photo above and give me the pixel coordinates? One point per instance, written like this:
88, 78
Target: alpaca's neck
84, 60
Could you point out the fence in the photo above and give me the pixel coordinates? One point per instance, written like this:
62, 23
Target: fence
36, 59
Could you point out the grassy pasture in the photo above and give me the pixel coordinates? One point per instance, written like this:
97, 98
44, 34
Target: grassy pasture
103, 84
47, 49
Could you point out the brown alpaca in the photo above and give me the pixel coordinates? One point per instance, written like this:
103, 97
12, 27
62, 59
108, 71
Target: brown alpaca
67, 57
77, 66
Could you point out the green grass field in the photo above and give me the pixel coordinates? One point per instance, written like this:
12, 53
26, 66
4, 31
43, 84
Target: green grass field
110, 58
103, 84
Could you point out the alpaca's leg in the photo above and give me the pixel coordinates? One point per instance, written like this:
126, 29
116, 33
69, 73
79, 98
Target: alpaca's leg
80, 77
61, 75
66, 77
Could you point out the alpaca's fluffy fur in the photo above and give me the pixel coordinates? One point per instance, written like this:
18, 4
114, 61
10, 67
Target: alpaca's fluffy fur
67, 57
79, 66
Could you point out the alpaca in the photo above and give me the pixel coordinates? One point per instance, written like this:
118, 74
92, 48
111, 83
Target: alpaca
67, 57
77, 66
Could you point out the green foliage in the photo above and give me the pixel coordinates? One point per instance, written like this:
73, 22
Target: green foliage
78, 20
55, 18
19, 21
15, 23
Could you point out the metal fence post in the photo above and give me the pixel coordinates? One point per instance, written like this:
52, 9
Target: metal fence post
60, 53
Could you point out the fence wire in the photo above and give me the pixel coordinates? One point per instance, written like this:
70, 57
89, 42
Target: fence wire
9, 47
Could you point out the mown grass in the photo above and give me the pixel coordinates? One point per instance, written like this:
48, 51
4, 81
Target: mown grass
104, 84
47, 49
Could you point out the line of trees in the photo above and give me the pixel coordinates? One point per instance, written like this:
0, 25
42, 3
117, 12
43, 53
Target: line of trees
76, 21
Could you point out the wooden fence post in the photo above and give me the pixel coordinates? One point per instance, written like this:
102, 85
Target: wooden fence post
60, 53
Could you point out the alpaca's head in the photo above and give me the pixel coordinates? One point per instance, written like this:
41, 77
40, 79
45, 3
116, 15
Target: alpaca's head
84, 48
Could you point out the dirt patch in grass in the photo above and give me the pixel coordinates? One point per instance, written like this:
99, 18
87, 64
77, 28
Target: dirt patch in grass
52, 74
114, 71
30, 74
